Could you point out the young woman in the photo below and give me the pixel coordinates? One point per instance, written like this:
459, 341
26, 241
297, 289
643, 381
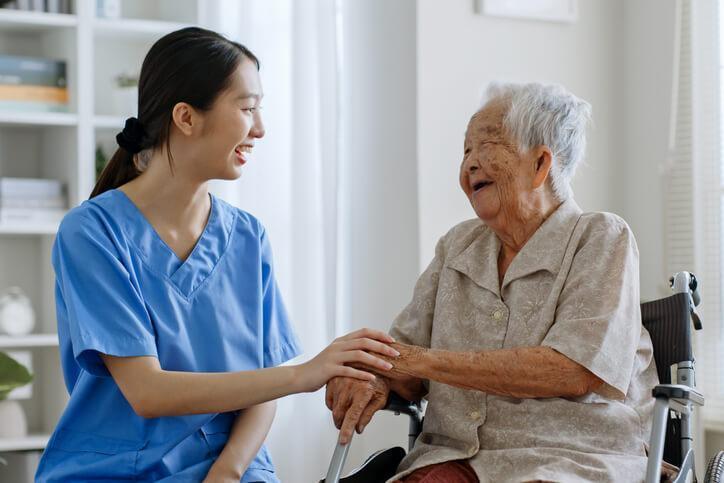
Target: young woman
169, 316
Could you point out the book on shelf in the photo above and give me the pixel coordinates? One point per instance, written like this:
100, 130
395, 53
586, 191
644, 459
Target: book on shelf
11, 187
31, 215
50, 6
33, 83
32, 200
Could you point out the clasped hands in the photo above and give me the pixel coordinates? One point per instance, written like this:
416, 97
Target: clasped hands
353, 402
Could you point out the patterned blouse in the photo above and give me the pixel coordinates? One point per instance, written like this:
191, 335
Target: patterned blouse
573, 287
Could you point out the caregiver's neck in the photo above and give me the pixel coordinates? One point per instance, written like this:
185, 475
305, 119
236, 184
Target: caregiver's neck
175, 195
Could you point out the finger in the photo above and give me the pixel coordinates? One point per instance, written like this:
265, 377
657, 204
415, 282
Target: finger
375, 405
354, 373
329, 394
365, 358
370, 345
370, 333
352, 416
342, 404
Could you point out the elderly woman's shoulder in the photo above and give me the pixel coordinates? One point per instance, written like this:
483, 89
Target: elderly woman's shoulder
603, 220
605, 228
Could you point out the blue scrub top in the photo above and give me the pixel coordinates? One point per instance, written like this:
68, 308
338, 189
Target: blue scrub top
121, 291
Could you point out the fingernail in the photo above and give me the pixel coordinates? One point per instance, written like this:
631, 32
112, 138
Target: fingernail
362, 429
388, 365
396, 353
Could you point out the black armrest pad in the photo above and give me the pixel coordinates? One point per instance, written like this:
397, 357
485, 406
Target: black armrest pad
679, 391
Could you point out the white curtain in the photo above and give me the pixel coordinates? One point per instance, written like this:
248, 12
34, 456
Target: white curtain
290, 185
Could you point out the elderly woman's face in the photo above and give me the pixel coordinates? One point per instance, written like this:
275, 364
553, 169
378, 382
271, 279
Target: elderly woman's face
494, 175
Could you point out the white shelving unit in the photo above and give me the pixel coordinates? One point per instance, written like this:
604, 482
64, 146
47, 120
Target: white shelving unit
62, 145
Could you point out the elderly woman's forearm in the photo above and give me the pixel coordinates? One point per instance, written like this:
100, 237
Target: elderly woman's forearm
526, 372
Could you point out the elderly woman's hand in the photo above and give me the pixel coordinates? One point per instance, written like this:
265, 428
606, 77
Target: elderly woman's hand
353, 403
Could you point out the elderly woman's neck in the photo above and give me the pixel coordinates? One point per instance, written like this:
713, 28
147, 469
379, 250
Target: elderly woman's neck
518, 224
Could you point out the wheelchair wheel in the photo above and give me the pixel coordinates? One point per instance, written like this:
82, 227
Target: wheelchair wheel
715, 469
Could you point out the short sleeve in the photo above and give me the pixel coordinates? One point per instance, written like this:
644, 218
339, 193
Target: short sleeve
598, 319
104, 309
414, 324
280, 341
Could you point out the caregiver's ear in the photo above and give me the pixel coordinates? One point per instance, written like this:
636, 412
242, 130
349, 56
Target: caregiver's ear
543, 161
185, 117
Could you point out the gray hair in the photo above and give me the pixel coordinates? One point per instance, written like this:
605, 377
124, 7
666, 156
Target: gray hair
546, 115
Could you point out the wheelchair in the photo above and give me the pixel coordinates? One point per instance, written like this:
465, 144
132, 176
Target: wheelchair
669, 323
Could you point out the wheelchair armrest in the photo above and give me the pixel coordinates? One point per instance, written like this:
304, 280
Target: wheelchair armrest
398, 404
679, 392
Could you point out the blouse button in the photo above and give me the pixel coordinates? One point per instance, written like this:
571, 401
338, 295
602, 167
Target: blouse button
498, 314
474, 415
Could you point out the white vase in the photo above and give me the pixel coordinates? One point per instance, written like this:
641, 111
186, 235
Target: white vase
12, 420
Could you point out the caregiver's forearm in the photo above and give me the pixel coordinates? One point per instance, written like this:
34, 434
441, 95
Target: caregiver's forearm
526, 372
154, 392
247, 435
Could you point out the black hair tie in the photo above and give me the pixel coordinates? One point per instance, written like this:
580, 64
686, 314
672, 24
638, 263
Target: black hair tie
131, 138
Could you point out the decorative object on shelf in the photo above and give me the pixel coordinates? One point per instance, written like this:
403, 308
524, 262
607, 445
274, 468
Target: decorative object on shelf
125, 94
550, 10
24, 358
16, 312
101, 160
12, 418
33, 84
108, 8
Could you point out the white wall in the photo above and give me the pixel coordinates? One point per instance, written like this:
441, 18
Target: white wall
647, 67
380, 153
459, 52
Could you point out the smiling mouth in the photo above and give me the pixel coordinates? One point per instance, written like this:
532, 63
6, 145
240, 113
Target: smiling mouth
480, 185
241, 149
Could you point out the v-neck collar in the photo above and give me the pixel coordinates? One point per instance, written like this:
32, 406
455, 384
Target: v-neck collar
187, 274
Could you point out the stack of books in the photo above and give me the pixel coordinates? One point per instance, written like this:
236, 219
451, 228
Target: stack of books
33, 84
50, 6
30, 200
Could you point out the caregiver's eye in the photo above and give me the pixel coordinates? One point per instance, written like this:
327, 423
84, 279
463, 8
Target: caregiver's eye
250, 110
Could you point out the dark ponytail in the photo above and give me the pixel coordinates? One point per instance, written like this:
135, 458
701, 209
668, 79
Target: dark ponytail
191, 65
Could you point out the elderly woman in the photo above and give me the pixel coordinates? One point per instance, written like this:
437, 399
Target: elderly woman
524, 333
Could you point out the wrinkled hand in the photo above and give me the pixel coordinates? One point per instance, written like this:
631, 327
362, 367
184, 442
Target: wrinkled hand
353, 403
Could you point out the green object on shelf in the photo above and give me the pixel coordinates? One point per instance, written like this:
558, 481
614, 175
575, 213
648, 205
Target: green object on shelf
12, 375
126, 80
101, 161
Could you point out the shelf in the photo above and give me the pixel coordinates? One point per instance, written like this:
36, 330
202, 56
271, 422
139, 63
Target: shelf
109, 122
19, 118
29, 442
134, 29
30, 340
35, 228
22, 21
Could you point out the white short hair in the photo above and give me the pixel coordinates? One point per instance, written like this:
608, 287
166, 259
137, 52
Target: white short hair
546, 115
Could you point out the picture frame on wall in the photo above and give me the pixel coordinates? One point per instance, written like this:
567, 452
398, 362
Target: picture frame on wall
548, 10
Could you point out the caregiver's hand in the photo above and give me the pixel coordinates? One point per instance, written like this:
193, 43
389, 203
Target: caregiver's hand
357, 347
354, 402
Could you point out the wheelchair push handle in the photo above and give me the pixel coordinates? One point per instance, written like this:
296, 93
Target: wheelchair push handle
686, 282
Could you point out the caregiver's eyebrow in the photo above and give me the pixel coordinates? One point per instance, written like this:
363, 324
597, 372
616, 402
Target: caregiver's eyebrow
241, 97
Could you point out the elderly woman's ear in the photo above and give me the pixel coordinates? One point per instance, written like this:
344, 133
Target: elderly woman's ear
543, 161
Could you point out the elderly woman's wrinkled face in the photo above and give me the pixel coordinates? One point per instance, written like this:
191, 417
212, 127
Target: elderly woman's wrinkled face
494, 175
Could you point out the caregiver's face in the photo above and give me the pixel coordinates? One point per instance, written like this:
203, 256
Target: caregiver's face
492, 174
